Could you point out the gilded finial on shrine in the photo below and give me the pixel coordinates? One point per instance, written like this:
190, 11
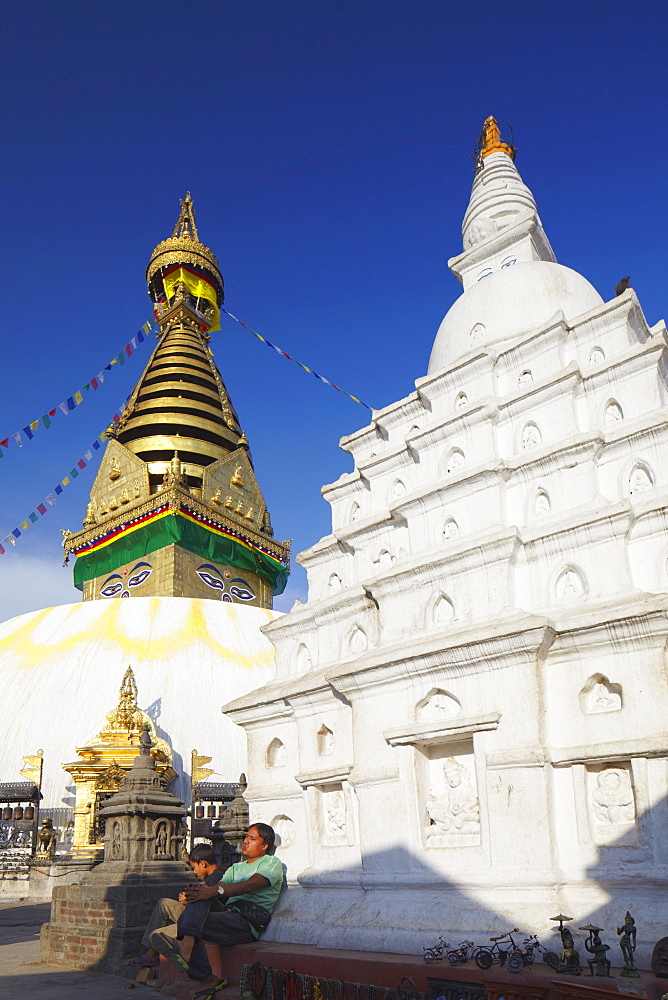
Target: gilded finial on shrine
185, 226
90, 515
490, 140
243, 441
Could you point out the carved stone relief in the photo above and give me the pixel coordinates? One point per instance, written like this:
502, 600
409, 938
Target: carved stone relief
355, 513
335, 583
477, 334
596, 356
531, 437
640, 480
525, 378
450, 529
456, 460
398, 490
437, 705
542, 504
611, 803
461, 401
452, 803
613, 413
276, 755
569, 585
285, 830
334, 816
599, 695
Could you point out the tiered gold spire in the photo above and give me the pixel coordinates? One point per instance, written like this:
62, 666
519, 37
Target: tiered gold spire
176, 509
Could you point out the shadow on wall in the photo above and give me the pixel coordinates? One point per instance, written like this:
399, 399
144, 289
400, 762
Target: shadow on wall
397, 901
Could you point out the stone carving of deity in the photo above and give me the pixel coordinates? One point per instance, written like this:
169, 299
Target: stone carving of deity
477, 334
596, 356
116, 841
334, 583
161, 839
451, 529
602, 699
530, 437
613, 413
454, 811
542, 504
569, 585
639, 481
335, 815
461, 401
525, 378
612, 798
456, 460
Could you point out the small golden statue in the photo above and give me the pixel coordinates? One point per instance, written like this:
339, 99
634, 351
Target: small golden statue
137, 491
217, 497
238, 479
103, 509
229, 503
125, 497
239, 509
90, 515
114, 470
249, 516
113, 503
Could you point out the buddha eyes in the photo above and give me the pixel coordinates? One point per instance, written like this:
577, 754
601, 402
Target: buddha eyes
237, 588
139, 577
241, 590
112, 589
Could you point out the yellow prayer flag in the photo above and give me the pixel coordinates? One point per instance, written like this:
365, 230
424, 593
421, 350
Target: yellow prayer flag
78, 398
198, 287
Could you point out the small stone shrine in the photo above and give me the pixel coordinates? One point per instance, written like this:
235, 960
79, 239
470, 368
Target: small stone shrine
99, 922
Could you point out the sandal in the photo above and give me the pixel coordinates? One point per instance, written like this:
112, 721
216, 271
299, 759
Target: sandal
145, 962
170, 949
210, 993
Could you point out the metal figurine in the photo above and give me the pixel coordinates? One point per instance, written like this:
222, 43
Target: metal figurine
569, 960
595, 947
627, 943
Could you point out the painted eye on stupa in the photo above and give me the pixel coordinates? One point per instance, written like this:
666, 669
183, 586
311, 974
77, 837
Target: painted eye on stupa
112, 586
140, 573
210, 576
227, 599
241, 590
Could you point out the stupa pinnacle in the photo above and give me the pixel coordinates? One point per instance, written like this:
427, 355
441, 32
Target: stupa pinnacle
175, 509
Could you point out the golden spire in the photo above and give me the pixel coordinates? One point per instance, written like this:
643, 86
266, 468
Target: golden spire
490, 140
186, 226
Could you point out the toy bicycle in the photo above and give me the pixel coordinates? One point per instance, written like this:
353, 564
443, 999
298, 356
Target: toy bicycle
510, 957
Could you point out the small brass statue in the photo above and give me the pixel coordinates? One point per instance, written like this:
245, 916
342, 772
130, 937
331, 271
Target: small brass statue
238, 479
595, 947
569, 960
627, 943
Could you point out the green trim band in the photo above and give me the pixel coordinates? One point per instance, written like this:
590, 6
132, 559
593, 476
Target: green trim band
178, 530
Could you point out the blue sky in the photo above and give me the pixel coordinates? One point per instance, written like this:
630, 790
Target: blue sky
327, 147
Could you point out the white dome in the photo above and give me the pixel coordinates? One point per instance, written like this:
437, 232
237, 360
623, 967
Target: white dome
509, 302
61, 670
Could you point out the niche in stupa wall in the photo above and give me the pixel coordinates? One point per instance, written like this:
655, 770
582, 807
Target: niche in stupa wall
448, 796
611, 804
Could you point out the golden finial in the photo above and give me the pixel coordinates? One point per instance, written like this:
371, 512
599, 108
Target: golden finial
238, 479
185, 227
90, 515
490, 140
243, 441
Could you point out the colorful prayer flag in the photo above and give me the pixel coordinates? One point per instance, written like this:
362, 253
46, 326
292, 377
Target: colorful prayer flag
78, 398
41, 508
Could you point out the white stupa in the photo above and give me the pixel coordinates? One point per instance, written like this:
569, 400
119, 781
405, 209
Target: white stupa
467, 730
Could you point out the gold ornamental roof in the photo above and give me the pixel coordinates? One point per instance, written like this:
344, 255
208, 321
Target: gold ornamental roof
184, 247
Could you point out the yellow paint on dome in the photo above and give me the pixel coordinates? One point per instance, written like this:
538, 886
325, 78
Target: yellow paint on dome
158, 632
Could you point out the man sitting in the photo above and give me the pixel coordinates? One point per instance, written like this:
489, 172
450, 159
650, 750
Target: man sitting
203, 913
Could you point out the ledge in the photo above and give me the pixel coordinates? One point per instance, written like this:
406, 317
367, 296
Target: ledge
328, 777
428, 733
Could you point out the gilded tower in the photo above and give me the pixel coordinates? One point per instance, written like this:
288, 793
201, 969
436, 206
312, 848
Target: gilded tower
175, 509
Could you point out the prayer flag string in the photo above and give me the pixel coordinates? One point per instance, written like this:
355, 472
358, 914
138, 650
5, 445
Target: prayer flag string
284, 354
52, 498
77, 398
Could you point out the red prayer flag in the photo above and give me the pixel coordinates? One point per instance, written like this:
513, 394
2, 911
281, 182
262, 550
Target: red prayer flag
41, 508
81, 463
